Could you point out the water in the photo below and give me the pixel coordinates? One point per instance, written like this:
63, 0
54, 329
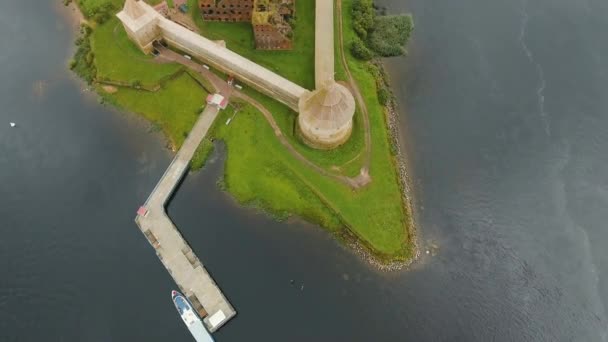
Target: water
504, 121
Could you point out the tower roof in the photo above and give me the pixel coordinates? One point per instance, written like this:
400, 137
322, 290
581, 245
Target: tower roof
330, 107
133, 9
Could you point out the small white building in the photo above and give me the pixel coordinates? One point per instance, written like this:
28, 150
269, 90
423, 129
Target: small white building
217, 100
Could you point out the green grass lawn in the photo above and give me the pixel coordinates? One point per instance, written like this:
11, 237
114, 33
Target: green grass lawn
119, 59
346, 159
277, 182
174, 108
268, 180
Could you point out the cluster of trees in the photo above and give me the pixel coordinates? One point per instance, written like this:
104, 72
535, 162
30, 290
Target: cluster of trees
379, 35
99, 12
83, 62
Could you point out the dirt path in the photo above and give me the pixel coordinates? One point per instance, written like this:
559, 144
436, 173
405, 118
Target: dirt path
355, 89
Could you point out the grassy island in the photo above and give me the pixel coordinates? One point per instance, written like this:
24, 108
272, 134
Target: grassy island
259, 170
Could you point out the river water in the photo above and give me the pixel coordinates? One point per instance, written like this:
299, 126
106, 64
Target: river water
504, 119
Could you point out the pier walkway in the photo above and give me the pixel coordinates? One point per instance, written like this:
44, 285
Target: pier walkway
174, 252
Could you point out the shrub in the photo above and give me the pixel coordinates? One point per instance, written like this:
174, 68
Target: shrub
101, 18
83, 63
90, 58
360, 51
384, 95
363, 17
390, 35
100, 12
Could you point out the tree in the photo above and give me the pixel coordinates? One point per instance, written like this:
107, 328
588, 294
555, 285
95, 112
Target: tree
390, 35
363, 17
360, 50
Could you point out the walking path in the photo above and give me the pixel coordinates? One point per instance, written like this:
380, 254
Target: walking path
357, 92
174, 252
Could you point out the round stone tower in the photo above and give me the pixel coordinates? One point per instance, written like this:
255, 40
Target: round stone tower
326, 116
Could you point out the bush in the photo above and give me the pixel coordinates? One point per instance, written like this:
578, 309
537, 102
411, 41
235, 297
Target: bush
390, 35
90, 58
363, 17
360, 51
101, 18
99, 12
83, 63
384, 95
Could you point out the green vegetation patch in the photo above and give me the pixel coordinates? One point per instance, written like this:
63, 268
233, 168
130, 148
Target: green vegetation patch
385, 36
278, 183
344, 160
269, 180
118, 59
174, 108
390, 34
83, 62
99, 10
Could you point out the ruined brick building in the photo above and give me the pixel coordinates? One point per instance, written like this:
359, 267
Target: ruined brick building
270, 19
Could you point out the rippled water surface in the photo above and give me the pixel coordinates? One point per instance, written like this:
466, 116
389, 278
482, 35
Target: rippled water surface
504, 119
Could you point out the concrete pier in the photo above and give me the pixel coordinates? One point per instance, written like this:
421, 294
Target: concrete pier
171, 248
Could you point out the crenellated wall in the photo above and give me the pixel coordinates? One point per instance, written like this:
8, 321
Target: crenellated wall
325, 119
147, 26
231, 63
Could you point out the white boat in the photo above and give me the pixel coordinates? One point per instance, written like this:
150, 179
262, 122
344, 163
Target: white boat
190, 318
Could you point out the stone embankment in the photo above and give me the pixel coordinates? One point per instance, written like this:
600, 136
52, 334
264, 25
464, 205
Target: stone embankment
404, 180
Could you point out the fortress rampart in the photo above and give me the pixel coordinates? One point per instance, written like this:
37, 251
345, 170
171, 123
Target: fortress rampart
144, 26
325, 114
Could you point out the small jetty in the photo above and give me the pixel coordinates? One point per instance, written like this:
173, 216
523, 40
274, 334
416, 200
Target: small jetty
172, 249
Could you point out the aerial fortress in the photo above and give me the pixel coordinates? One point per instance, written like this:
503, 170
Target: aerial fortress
325, 118
325, 121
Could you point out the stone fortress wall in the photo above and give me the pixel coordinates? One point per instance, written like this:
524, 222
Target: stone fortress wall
144, 26
231, 63
325, 115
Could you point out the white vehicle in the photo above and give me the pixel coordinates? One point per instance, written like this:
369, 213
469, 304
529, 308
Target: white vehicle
190, 318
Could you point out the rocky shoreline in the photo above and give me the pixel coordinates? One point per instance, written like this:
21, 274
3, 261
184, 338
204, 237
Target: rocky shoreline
406, 196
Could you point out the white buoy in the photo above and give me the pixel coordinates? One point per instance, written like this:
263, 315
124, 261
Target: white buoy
13, 124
